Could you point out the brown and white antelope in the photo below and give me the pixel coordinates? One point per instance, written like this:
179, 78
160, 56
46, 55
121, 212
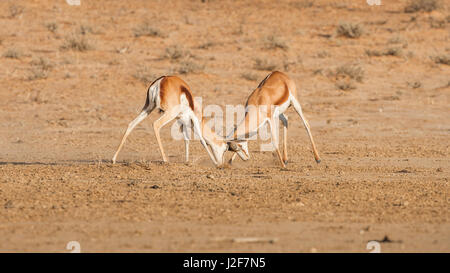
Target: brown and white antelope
273, 96
172, 96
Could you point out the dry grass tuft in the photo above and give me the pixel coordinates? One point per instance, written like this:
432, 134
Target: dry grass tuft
349, 30
303, 4
393, 51
323, 54
346, 75
15, 10
415, 84
144, 75
421, 5
207, 45
77, 43
264, 65
435, 23
188, 66
249, 76
40, 69
273, 42
51, 26
176, 52
146, 30
42, 62
12, 54
351, 71
345, 85
442, 59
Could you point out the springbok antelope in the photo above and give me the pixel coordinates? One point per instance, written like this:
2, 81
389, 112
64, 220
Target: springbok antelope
172, 96
273, 96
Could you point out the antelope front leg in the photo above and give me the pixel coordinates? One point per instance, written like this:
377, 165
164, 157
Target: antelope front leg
274, 138
232, 158
198, 131
284, 121
186, 142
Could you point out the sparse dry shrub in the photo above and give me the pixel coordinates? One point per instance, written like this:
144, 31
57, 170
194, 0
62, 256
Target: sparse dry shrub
12, 53
264, 65
206, 45
51, 26
378, 22
273, 42
398, 40
323, 54
346, 75
76, 42
372, 52
239, 31
15, 10
42, 62
249, 76
303, 4
40, 69
146, 30
37, 73
189, 66
393, 51
421, 5
435, 23
176, 52
349, 30
287, 64
415, 84
318, 71
345, 85
351, 71
442, 59
85, 29
144, 75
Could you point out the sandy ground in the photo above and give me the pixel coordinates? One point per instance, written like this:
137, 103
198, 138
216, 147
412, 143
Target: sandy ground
384, 144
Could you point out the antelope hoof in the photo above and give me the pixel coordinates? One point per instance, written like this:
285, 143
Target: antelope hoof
285, 162
318, 161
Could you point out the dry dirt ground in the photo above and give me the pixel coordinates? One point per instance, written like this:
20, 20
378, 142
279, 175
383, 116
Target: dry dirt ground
73, 77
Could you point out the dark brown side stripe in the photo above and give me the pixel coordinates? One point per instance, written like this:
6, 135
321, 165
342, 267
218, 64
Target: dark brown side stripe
188, 94
264, 81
